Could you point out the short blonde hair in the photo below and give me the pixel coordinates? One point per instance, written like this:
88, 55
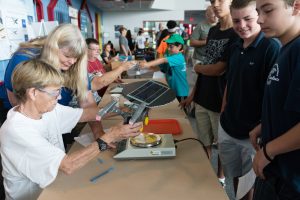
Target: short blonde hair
69, 36
34, 74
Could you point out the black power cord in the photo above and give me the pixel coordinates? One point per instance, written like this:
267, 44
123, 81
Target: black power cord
195, 139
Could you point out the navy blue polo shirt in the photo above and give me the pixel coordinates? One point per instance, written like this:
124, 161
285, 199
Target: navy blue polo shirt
281, 107
247, 71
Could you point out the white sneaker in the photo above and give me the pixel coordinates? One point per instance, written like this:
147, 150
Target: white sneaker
222, 182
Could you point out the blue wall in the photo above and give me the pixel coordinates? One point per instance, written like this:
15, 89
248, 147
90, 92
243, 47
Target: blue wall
75, 3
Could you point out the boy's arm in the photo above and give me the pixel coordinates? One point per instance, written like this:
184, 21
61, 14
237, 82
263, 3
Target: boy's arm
124, 50
216, 69
153, 64
99, 82
287, 142
197, 43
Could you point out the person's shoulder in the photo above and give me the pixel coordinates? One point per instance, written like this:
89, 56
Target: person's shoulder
271, 43
292, 47
295, 43
177, 56
14, 124
216, 27
59, 109
29, 52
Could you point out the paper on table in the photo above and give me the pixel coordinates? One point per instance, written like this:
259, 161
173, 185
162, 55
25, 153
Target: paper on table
158, 75
85, 139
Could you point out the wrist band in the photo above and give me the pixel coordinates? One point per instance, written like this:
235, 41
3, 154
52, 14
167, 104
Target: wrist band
265, 153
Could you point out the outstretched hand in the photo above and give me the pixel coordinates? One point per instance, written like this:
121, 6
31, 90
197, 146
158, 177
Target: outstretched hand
128, 65
121, 132
143, 64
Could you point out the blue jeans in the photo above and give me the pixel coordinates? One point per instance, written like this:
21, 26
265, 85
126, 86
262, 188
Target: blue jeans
274, 188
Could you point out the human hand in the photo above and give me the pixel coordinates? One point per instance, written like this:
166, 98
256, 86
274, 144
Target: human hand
254, 134
118, 80
259, 163
143, 64
186, 103
128, 65
121, 132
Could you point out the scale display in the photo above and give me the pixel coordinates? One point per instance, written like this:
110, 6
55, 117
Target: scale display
148, 92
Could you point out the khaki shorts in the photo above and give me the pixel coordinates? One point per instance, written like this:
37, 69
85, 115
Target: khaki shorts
235, 155
207, 125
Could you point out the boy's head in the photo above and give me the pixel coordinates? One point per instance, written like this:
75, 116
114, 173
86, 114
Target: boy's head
278, 18
172, 26
123, 31
221, 7
244, 18
175, 43
93, 48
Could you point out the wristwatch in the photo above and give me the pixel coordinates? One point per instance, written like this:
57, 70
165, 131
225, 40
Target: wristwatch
102, 144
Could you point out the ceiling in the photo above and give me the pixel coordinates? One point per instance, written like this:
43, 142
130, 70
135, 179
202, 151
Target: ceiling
122, 5
140, 5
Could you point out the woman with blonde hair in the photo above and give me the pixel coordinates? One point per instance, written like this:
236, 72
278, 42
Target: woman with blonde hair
65, 49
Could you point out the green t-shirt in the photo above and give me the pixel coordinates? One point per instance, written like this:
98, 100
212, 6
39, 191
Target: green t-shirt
200, 33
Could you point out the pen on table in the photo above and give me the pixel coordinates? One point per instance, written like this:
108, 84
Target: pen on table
95, 178
100, 160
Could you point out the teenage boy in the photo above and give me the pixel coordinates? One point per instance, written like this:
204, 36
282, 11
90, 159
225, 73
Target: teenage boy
277, 162
208, 91
123, 43
174, 66
250, 61
163, 47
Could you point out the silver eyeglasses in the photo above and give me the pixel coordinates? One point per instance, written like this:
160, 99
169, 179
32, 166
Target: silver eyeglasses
54, 94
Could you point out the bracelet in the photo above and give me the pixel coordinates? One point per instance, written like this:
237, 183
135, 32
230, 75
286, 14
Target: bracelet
265, 153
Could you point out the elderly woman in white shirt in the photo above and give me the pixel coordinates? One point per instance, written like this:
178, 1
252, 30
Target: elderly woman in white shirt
31, 143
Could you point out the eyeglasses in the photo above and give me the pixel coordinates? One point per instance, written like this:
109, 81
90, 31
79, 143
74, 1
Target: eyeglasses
54, 94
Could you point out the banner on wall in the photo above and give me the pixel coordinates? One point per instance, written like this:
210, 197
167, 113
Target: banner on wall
14, 21
73, 13
13, 32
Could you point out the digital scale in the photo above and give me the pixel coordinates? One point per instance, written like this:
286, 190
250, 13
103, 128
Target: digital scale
144, 95
163, 147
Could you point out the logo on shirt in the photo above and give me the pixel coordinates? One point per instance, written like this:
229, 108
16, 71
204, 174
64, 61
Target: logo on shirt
251, 63
214, 50
273, 75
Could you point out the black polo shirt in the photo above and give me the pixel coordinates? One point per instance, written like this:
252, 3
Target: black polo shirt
246, 75
209, 89
281, 107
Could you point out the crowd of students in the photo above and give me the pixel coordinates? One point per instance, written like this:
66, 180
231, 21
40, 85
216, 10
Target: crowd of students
248, 88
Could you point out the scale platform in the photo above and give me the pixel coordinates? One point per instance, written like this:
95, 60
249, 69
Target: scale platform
163, 147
